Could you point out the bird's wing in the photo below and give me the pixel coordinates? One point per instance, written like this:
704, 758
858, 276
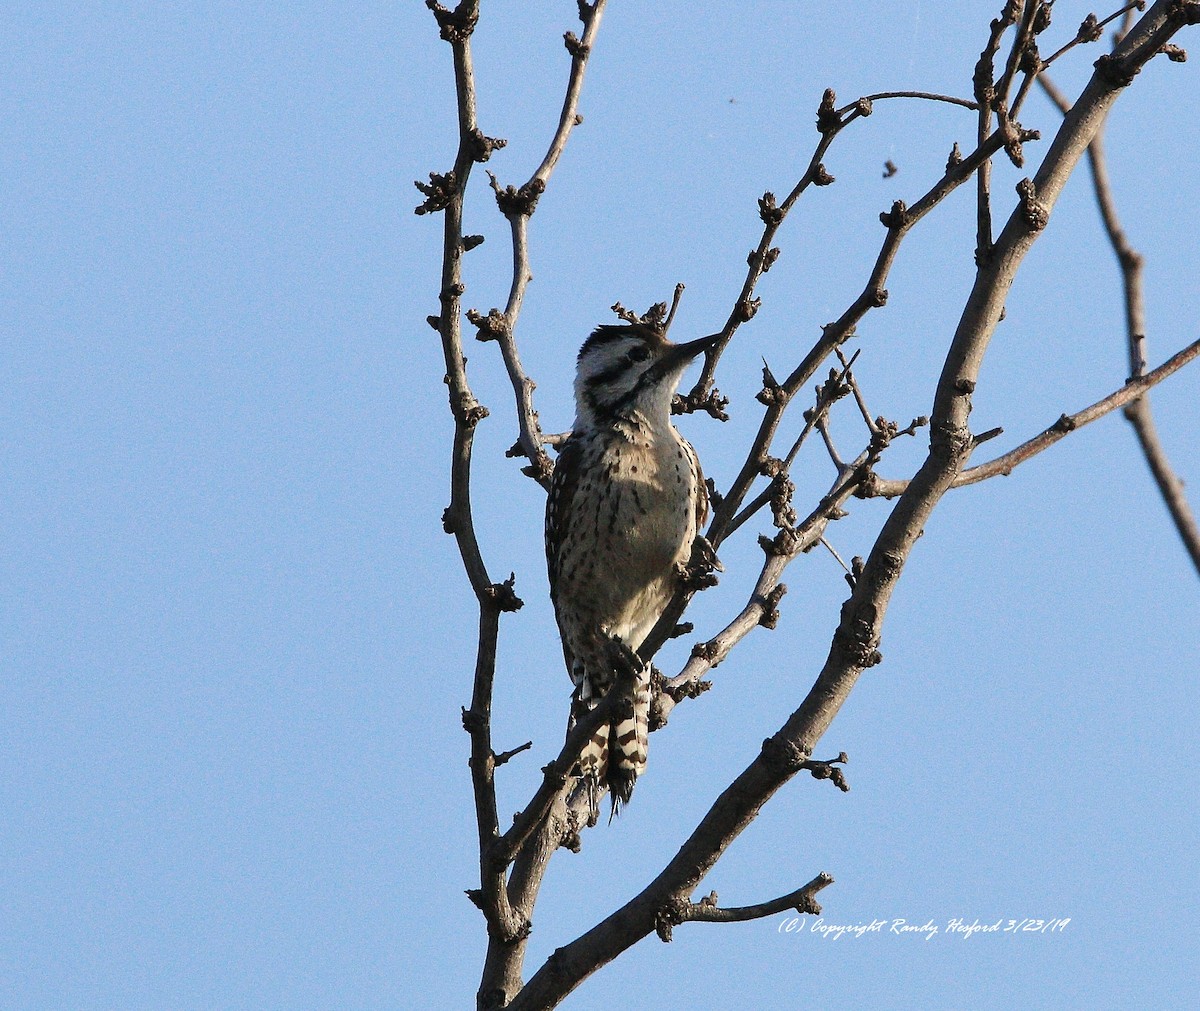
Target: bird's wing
563, 484
701, 492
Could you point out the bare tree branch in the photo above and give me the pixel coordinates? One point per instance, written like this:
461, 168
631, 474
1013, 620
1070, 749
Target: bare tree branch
1091, 29
830, 122
707, 910
899, 220
1131, 393
517, 204
927, 96
1138, 412
445, 194
507, 924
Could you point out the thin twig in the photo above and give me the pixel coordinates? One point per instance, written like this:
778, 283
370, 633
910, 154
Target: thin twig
518, 204
899, 222
928, 96
985, 94
855, 390
1138, 412
802, 900
830, 122
1092, 29
833, 551
1005, 464
446, 193
815, 417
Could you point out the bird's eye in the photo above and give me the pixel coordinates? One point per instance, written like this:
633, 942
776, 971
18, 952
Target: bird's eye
639, 353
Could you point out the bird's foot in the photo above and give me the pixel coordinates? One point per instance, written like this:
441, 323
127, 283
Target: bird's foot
699, 573
624, 659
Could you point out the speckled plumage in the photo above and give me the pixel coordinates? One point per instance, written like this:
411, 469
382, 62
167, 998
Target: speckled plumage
626, 502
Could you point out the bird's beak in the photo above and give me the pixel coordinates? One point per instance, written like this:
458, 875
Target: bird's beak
678, 355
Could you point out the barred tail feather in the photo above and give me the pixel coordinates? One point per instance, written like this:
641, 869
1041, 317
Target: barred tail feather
593, 770
628, 746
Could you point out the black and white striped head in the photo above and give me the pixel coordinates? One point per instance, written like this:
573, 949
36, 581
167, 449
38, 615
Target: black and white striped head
630, 369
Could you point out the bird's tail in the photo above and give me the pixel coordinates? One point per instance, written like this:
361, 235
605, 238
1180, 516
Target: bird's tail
629, 741
593, 770
616, 754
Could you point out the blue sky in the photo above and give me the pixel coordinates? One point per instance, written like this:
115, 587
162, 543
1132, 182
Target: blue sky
234, 640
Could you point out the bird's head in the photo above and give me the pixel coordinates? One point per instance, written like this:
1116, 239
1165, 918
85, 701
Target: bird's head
627, 369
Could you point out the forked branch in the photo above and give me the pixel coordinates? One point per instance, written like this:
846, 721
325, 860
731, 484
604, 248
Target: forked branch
1137, 412
1132, 392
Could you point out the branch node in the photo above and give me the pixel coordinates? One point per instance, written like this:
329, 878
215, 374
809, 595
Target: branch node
771, 466
518, 202
828, 120
469, 411
491, 327
766, 261
455, 26
439, 191
949, 442
768, 210
897, 217
770, 607
782, 545
746, 309
711, 403
670, 916
502, 596
829, 770
856, 636
783, 754
691, 689
699, 572
1013, 136
482, 146
1114, 71
772, 392
576, 48
821, 177
469, 242
1089, 30
1065, 423
1036, 213
856, 570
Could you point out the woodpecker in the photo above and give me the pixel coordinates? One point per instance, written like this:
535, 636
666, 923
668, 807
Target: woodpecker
627, 500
